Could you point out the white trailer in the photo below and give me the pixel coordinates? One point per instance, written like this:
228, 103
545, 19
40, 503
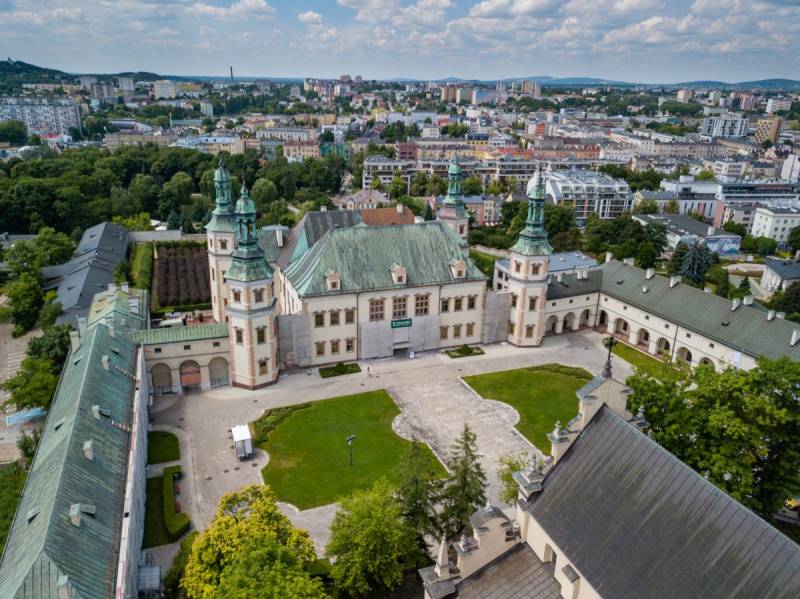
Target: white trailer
242, 441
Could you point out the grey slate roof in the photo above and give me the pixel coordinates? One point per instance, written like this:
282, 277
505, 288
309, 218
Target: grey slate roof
617, 494
312, 227
571, 285
42, 545
785, 269
268, 241
364, 257
89, 271
516, 574
681, 224
746, 328
483, 515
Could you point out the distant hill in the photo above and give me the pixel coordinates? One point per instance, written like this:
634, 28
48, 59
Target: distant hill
766, 84
17, 72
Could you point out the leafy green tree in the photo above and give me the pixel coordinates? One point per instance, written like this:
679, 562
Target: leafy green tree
735, 228
143, 191
509, 463
705, 175
371, 542
376, 183
696, 263
174, 220
51, 310
794, 239
675, 265
428, 212
656, 235
472, 186
558, 218
27, 445
246, 521
465, 488
646, 256
672, 207
724, 284
138, 222
25, 299
53, 247
566, 240
326, 137
419, 183
646, 207
263, 193
436, 186
744, 284
737, 428
53, 345
13, 132
397, 187
417, 490
33, 386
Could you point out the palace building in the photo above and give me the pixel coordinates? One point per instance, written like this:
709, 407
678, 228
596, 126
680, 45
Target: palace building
335, 288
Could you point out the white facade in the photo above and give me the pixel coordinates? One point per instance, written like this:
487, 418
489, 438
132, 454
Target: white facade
42, 116
724, 126
253, 341
165, 89
589, 192
775, 223
776, 104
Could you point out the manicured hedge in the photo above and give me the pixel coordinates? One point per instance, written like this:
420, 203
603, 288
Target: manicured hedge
177, 524
465, 350
340, 369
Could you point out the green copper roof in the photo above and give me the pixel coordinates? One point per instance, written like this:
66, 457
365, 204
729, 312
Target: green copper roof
223, 219
532, 240
43, 547
249, 262
453, 205
180, 334
364, 257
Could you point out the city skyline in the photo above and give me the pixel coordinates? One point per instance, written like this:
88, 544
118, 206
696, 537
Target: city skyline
641, 41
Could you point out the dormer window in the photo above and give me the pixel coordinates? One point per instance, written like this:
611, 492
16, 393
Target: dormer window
399, 274
333, 281
458, 268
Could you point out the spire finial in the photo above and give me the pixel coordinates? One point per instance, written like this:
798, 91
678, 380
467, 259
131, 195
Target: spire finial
243, 191
221, 161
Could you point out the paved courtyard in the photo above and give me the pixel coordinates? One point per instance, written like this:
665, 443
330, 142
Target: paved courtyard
433, 400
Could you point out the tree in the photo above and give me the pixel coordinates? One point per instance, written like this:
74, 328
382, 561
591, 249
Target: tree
428, 212
733, 227
744, 284
675, 264
33, 386
264, 192
724, 284
737, 428
417, 491
672, 207
794, 239
472, 186
138, 222
656, 235
245, 522
397, 187
25, 299
696, 263
13, 132
371, 542
326, 137
27, 445
376, 183
53, 247
509, 463
646, 207
558, 218
53, 345
705, 175
436, 186
464, 489
51, 310
646, 256
419, 183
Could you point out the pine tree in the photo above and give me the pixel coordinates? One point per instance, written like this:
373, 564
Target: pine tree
464, 490
428, 212
696, 263
417, 490
676, 261
744, 284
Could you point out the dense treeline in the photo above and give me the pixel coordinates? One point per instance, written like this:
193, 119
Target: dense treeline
79, 188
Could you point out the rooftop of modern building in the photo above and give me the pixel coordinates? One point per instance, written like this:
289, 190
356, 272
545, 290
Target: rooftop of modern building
683, 224
780, 211
785, 269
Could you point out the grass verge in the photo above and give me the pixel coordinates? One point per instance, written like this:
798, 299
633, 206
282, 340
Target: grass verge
652, 366
541, 395
484, 262
155, 530
308, 451
177, 523
142, 265
12, 481
162, 447
340, 369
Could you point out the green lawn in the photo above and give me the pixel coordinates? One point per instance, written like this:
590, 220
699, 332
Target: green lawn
155, 531
12, 481
650, 365
308, 452
484, 261
162, 447
142, 265
541, 394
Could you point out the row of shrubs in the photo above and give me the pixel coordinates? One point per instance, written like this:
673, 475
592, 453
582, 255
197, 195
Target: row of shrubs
465, 350
340, 369
159, 312
176, 523
561, 369
271, 419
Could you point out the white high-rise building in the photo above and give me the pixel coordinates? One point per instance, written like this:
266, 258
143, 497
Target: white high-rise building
726, 125
776, 104
126, 84
165, 89
42, 116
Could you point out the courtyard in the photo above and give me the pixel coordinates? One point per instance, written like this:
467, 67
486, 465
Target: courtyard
433, 401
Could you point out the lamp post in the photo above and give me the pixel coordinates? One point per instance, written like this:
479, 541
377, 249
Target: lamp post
350, 445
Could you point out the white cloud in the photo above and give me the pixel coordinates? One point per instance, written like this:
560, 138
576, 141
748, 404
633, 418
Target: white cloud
206, 30
506, 8
309, 17
240, 9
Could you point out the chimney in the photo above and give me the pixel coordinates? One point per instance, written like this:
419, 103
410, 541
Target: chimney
75, 514
399, 209
735, 304
279, 237
648, 274
64, 588
125, 286
707, 289
559, 277
81, 326
88, 450
780, 315
797, 255
74, 340
559, 442
748, 300
628, 261
111, 330
323, 208
771, 315
442, 567
795, 337
674, 280
96, 412
112, 289
711, 230
104, 361
609, 256
645, 289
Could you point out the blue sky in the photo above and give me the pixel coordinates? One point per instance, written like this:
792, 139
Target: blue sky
632, 40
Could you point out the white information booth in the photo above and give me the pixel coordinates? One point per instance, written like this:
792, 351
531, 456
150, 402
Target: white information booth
242, 441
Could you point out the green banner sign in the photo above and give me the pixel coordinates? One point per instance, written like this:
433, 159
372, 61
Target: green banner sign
401, 323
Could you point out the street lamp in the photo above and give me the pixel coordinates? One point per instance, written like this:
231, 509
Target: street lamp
350, 445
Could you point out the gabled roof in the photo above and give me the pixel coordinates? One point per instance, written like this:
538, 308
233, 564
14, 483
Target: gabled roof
376, 217
785, 269
746, 329
43, 547
616, 494
163, 335
364, 257
311, 228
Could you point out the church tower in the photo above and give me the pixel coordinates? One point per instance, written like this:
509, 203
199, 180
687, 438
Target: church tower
251, 305
453, 211
221, 234
528, 268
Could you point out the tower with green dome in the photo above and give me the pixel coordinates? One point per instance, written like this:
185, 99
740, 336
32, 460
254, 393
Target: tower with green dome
528, 269
251, 304
453, 211
221, 238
